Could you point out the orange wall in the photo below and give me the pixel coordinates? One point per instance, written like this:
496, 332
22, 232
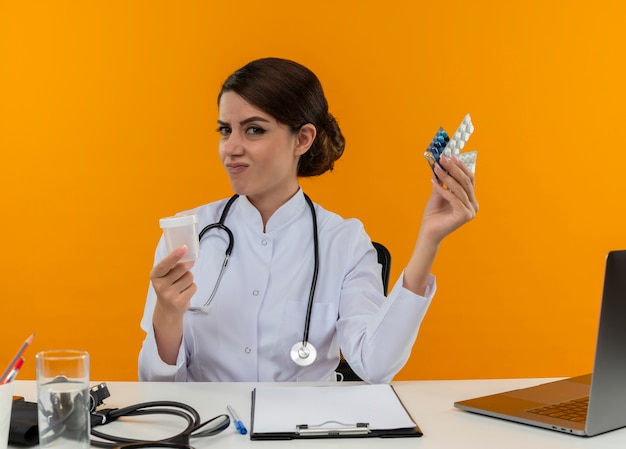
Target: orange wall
107, 118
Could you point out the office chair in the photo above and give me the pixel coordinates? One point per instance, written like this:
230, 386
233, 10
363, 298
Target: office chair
384, 258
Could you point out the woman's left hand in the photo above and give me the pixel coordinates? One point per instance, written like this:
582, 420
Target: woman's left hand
453, 200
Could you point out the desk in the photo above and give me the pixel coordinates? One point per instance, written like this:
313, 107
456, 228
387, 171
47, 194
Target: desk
429, 402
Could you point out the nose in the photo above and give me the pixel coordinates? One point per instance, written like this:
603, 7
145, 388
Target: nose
232, 145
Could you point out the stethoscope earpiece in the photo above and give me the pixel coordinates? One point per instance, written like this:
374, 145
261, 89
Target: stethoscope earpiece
303, 354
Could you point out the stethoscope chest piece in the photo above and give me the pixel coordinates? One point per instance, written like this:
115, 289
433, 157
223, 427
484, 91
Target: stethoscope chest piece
303, 354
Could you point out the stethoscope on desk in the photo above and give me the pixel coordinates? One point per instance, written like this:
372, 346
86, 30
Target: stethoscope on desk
196, 428
72, 413
303, 353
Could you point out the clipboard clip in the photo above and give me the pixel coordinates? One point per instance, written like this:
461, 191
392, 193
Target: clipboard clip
333, 428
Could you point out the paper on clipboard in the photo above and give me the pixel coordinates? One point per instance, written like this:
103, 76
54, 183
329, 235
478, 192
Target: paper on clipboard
282, 410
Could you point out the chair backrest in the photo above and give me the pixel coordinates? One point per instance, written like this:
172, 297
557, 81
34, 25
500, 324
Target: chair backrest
384, 258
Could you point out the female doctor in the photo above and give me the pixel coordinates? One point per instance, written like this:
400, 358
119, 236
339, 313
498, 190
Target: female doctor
275, 127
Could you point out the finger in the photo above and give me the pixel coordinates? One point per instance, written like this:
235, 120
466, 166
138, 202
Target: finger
457, 169
467, 183
168, 262
187, 294
452, 186
464, 168
183, 283
176, 280
463, 177
460, 210
175, 292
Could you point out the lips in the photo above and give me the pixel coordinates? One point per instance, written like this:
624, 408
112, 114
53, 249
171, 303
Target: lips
236, 167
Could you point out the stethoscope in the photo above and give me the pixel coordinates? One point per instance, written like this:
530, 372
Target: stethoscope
303, 353
72, 411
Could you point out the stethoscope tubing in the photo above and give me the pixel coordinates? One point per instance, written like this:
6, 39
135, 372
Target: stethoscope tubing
181, 440
300, 353
316, 266
229, 249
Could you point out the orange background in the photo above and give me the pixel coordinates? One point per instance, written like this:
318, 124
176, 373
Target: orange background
107, 119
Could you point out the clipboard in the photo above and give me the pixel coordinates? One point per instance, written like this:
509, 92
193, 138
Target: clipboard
354, 411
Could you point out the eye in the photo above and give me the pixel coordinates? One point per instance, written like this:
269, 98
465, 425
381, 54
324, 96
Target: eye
224, 130
255, 130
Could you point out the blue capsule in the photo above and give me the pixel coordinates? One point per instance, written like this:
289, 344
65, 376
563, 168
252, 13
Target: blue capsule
435, 149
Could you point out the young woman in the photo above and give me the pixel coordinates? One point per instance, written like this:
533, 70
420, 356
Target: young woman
248, 322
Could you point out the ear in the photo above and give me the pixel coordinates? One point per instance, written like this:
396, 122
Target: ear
304, 139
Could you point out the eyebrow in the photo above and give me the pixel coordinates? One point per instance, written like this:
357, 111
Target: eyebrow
246, 121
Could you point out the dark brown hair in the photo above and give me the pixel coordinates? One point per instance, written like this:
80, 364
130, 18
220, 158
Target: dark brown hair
293, 95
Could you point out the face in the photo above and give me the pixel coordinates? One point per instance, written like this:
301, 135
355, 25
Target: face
260, 154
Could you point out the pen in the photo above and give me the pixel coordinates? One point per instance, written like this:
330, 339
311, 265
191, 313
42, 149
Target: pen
16, 358
16, 369
238, 424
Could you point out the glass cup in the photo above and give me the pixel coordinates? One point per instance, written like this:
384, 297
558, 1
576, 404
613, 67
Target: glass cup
181, 231
6, 403
63, 399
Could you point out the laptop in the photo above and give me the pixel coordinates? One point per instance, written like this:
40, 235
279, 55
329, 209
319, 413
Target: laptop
584, 405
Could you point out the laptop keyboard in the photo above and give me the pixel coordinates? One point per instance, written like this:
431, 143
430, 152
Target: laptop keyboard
574, 410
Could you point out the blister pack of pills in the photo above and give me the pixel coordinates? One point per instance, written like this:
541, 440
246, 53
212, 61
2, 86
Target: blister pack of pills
452, 146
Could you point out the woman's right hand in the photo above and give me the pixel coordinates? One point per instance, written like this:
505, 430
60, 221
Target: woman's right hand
173, 284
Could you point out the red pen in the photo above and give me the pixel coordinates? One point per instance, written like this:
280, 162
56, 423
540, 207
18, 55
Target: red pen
16, 369
4, 376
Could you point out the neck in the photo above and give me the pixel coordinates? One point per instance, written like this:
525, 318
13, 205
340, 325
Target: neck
267, 205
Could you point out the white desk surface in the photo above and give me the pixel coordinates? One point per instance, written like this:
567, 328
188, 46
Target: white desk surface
430, 403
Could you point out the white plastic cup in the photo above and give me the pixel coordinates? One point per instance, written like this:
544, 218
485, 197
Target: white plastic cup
6, 403
181, 231
63, 399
